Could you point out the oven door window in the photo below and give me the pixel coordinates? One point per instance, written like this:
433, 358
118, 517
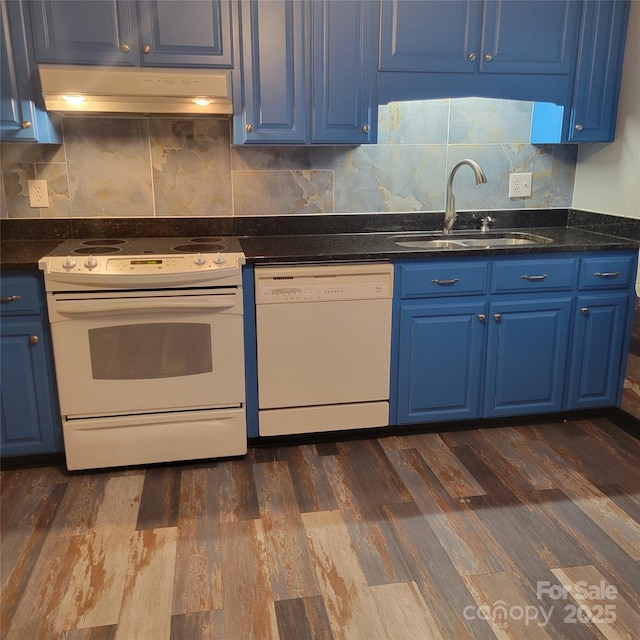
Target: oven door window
148, 351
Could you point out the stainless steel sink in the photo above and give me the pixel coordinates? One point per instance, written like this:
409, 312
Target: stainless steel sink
469, 240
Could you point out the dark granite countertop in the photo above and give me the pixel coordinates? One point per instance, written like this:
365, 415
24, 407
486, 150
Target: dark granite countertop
23, 255
311, 238
378, 246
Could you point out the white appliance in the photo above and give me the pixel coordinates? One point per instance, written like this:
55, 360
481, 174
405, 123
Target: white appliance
83, 89
323, 347
148, 349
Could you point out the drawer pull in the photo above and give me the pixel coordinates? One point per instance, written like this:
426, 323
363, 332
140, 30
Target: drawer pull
497, 317
533, 278
482, 317
445, 283
34, 339
584, 311
10, 298
607, 274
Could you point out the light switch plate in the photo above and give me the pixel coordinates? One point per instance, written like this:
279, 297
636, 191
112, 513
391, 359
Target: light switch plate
520, 185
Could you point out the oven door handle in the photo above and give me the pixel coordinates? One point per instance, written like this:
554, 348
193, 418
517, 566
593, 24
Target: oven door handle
106, 307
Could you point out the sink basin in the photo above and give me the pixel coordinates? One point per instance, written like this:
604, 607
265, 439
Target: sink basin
472, 240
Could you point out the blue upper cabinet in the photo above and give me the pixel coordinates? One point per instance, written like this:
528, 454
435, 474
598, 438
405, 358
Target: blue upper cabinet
529, 36
343, 65
442, 36
186, 33
426, 44
270, 81
21, 119
305, 72
599, 71
168, 33
591, 113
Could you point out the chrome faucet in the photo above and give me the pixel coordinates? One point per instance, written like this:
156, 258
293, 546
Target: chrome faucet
450, 214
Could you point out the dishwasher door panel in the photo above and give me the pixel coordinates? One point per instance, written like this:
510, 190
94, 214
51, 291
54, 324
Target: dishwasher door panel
318, 353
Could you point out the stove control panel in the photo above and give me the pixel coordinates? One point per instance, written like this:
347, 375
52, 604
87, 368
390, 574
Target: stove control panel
144, 265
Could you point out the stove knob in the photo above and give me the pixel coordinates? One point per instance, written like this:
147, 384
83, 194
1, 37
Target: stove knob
91, 262
200, 260
219, 258
69, 263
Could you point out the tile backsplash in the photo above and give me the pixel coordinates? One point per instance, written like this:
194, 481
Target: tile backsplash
145, 167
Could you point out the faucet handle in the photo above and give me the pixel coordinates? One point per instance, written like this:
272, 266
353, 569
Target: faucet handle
485, 222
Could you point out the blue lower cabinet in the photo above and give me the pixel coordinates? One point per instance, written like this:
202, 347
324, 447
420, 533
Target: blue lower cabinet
514, 335
441, 349
28, 396
29, 424
597, 363
528, 343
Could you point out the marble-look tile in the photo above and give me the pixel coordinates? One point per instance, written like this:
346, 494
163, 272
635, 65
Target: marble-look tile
497, 162
413, 122
563, 175
191, 167
390, 178
485, 121
274, 192
16, 192
109, 167
25, 152
55, 173
277, 158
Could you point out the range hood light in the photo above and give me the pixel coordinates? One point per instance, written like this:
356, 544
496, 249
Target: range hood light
74, 99
79, 89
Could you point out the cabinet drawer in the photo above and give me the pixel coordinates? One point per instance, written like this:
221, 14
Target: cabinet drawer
606, 272
443, 278
20, 295
517, 276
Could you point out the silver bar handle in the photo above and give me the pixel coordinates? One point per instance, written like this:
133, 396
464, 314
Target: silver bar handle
607, 274
445, 283
533, 278
10, 298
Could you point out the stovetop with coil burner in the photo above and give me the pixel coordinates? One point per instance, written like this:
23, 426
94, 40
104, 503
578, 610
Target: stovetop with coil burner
149, 258
148, 246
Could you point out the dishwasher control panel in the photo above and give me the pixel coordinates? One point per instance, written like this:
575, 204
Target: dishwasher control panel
318, 283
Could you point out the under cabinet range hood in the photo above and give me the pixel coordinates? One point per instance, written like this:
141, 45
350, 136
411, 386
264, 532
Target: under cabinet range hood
113, 90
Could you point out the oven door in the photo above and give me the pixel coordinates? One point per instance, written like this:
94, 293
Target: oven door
141, 352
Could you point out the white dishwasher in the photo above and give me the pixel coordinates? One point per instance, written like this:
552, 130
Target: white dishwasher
323, 347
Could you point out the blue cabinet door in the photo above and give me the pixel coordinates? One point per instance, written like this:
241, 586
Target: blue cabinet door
168, 33
599, 71
28, 399
440, 359
271, 79
600, 331
185, 33
79, 32
21, 120
466, 36
442, 36
529, 36
343, 57
29, 423
527, 350
591, 113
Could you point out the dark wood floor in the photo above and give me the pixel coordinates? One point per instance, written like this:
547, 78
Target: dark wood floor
517, 532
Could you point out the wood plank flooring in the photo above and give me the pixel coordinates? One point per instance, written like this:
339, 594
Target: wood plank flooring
526, 531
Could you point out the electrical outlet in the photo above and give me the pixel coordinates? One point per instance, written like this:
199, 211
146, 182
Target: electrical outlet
38, 194
520, 185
